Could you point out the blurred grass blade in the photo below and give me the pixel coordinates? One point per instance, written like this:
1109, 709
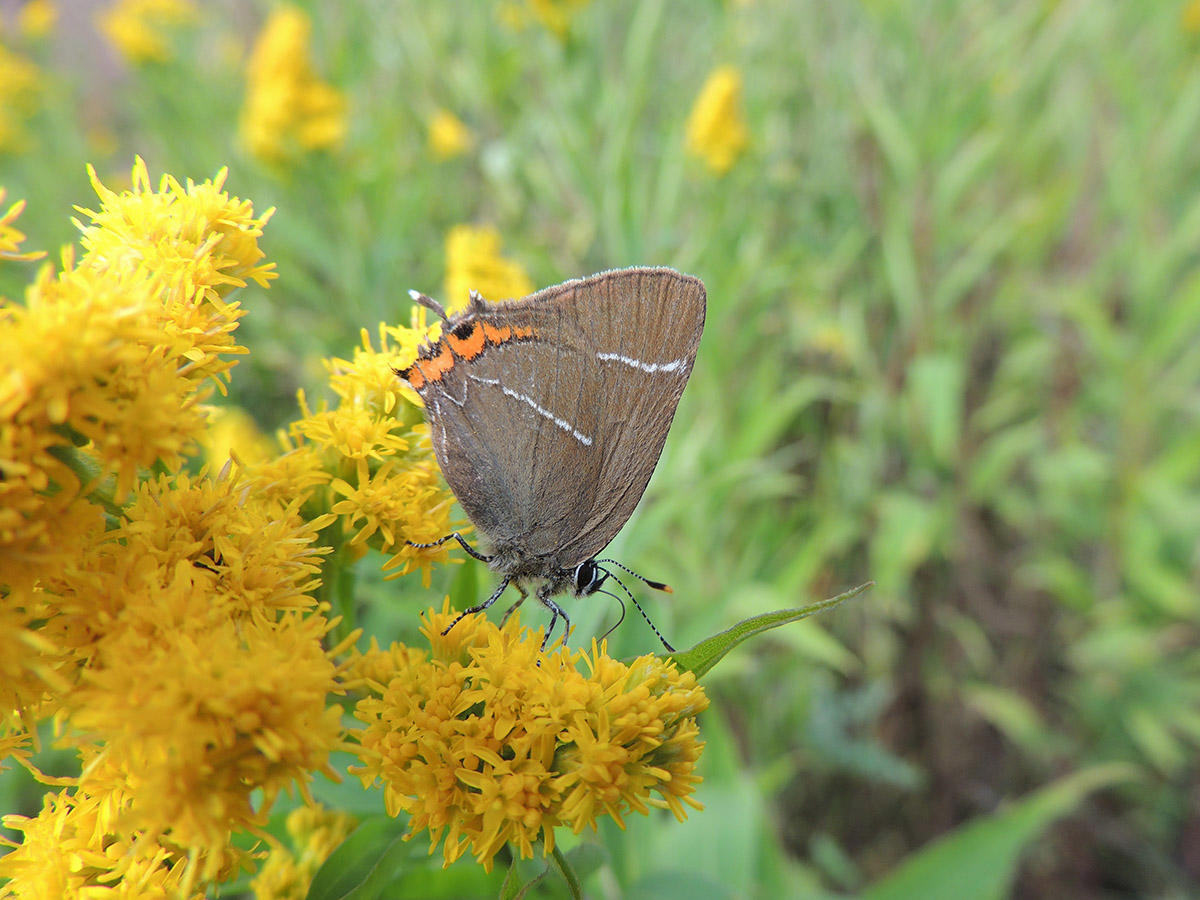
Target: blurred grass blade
979, 860
708, 653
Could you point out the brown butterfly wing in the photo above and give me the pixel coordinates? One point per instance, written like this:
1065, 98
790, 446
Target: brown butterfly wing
549, 440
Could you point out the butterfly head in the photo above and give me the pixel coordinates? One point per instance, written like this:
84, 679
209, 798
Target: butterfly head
587, 578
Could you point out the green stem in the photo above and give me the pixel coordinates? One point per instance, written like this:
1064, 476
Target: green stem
568, 874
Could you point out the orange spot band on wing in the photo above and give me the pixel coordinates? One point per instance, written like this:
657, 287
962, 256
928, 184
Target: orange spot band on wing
415, 377
496, 335
470, 346
433, 369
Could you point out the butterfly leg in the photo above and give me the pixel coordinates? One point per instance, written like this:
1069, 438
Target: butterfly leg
453, 536
512, 609
481, 607
555, 612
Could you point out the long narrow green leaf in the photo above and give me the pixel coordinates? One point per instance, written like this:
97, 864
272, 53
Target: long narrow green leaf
708, 653
979, 860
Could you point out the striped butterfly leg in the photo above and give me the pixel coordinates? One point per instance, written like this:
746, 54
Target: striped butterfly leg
556, 612
512, 609
456, 536
453, 536
482, 606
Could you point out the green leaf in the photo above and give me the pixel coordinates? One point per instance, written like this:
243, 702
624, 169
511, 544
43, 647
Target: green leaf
979, 859
365, 863
708, 653
582, 860
935, 392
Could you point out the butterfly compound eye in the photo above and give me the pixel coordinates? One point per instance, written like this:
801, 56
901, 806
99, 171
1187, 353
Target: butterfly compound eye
588, 578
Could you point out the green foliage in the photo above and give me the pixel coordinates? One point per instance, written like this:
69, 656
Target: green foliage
953, 346
979, 860
701, 658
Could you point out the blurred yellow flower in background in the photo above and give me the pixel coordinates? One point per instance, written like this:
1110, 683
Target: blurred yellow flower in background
448, 136
553, 15
556, 15
315, 833
37, 18
287, 107
1189, 16
20, 83
473, 262
10, 236
138, 29
716, 127
233, 432
486, 739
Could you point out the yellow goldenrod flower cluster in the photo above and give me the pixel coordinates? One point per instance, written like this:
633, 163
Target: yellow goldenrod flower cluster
716, 128
20, 83
367, 461
448, 136
473, 262
288, 109
485, 739
117, 350
167, 624
60, 856
315, 833
139, 29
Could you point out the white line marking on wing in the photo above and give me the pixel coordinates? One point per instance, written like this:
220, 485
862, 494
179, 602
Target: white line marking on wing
675, 365
540, 410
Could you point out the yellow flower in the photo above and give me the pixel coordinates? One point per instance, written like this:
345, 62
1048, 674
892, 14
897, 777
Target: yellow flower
109, 359
10, 236
30, 667
233, 432
448, 136
355, 434
315, 834
36, 18
488, 740
138, 28
71, 851
20, 83
114, 353
473, 262
197, 718
293, 476
202, 242
383, 480
287, 106
716, 128
169, 624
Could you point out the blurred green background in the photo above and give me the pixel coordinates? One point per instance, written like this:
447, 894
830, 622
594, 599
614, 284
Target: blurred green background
953, 345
